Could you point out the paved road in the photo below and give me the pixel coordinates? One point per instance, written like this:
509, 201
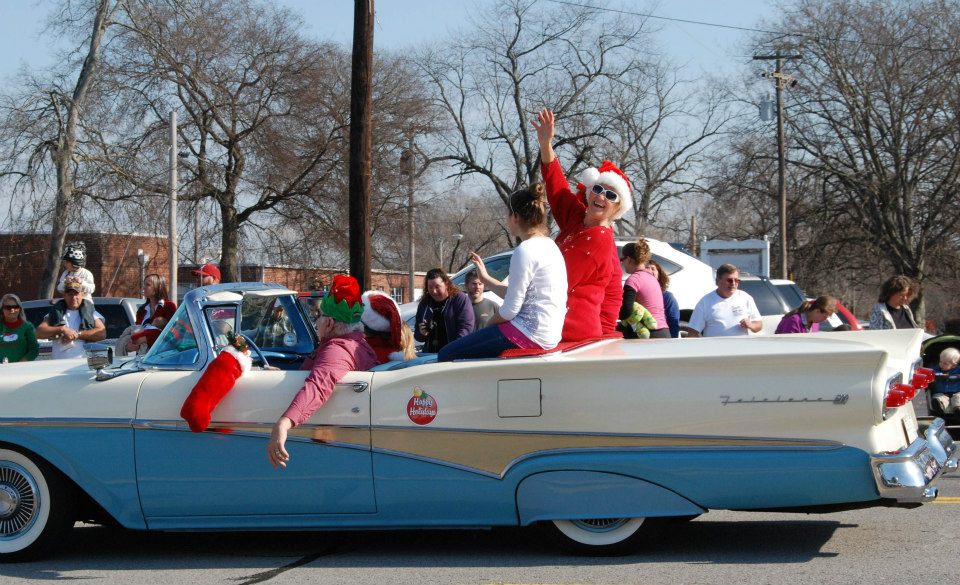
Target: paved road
866, 546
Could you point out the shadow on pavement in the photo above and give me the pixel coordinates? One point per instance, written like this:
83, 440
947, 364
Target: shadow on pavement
699, 541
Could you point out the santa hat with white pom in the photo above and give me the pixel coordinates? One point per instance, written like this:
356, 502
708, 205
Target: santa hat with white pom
608, 174
382, 316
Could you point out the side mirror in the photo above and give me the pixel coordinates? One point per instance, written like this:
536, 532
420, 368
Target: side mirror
99, 355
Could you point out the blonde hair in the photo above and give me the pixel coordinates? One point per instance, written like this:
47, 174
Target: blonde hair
951, 355
406, 342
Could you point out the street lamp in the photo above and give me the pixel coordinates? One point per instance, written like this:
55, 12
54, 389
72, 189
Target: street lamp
142, 259
440, 240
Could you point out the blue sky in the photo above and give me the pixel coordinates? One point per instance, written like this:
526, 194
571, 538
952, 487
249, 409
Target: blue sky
404, 23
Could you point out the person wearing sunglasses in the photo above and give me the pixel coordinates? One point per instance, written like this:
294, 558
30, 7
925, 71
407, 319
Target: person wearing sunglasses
585, 219
727, 311
18, 339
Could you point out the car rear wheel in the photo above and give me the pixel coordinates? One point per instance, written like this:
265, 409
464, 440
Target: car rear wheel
596, 536
36, 507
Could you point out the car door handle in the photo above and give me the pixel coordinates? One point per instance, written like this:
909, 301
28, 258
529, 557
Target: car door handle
357, 387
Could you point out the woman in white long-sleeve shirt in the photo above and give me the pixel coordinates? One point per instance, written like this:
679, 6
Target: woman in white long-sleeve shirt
535, 300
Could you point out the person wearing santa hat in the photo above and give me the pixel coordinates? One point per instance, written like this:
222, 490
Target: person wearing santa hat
586, 239
387, 334
342, 349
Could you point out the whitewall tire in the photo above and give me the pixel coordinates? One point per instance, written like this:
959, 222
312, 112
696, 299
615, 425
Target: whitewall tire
36, 507
597, 537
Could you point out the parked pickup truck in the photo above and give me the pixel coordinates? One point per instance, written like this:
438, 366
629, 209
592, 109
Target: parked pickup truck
592, 444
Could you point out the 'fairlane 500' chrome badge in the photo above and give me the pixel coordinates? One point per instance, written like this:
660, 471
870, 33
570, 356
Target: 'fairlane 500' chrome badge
839, 399
422, 408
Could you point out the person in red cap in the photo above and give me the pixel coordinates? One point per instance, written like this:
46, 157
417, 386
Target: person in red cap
342, 349
585, 220
387, 334
208, 274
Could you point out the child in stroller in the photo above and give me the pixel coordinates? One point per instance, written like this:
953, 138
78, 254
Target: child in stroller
942, 354
946, 389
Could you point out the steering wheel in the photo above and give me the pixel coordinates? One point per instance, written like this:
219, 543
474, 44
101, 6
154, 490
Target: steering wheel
253, 346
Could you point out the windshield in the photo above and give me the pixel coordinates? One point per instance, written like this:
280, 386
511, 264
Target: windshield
177, 345
276, 323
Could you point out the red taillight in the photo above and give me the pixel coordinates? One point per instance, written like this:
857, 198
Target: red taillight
896, 397
907, 389
927, 373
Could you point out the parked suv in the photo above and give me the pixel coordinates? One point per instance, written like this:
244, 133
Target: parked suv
118, 314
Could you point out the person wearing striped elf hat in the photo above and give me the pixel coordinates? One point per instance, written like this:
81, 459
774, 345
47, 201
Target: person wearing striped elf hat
343, 348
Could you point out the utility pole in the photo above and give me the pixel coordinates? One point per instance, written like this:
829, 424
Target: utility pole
361, 142
408, 167
781, 79
172, 238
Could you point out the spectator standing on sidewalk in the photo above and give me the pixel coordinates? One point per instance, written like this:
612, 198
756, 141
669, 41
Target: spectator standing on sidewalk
727, 311
892, 310
18, 338
483, 308
68, 323
208, 274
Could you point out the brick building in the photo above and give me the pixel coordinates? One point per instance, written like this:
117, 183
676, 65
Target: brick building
112, 258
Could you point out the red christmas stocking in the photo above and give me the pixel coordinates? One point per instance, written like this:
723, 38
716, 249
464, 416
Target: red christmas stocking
213, 385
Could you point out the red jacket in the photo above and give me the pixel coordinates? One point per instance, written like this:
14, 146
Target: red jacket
594, 289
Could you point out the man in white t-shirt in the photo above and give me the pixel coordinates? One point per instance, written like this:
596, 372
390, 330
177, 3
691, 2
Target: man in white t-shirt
726, 311
65, 325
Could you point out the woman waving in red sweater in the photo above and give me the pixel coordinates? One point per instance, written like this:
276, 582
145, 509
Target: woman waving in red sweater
594, 289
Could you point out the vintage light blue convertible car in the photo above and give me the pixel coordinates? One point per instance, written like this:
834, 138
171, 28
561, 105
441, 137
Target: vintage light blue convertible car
591, 444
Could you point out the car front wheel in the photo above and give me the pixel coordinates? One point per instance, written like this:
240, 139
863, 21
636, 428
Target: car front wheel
36, 507
597, 537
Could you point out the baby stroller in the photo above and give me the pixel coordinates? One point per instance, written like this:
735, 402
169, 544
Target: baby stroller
930, 354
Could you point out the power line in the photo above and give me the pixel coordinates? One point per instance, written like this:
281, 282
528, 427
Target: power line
755, 30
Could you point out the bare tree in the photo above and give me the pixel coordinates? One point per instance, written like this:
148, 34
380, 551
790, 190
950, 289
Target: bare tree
662, 133
44, 123
402, 112
254, 129
876, 118
517, 58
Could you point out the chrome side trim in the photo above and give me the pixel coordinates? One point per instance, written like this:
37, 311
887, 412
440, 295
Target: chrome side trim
66, 422
494, 453
781, 441
350, 437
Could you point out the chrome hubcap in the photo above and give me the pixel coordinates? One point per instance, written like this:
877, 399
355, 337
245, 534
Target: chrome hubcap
18, 500
600, 524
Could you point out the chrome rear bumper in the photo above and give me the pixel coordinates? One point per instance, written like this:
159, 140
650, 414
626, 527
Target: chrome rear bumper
908, 476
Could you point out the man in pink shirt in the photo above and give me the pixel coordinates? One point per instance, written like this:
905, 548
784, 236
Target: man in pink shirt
343, 348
